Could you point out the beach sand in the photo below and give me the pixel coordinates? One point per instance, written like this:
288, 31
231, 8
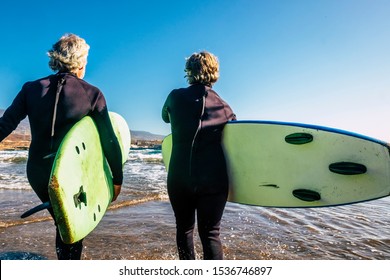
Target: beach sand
122, 234
146, 231
142, 232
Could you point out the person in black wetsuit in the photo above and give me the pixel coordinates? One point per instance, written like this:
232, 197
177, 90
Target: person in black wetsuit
197, 176
50, 119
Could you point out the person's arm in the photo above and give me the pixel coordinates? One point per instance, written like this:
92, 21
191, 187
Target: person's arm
230, 115
14, 114
165, 111
110, 144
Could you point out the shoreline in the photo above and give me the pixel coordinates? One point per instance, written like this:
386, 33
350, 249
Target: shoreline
121, 235
9, 144
146, 231
15, 142
128, 233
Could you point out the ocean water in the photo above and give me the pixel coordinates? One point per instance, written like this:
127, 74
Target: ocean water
140, 224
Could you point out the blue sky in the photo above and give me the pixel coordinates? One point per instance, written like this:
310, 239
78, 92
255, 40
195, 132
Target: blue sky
324, 62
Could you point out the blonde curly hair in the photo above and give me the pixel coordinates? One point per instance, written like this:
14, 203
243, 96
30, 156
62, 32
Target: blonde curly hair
202, 68
69, 54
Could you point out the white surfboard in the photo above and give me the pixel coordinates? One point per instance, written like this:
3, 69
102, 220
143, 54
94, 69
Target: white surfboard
281, 164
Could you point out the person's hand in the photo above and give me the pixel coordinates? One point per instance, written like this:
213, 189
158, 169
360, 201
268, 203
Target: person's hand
117, 190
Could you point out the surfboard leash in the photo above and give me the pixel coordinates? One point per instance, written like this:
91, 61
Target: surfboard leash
40, 207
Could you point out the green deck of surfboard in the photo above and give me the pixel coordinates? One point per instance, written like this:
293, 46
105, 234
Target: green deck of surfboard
81, 185
296, 165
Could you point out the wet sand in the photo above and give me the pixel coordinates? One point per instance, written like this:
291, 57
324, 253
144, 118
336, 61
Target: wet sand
141, 232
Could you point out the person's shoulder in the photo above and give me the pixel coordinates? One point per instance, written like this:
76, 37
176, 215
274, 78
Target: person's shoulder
191, 88
176, 92
210, 91
86, 85
44, 81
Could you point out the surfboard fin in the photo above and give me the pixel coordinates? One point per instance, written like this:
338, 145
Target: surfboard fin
299, 138
348, 168
80, 197
306, 195
40, 207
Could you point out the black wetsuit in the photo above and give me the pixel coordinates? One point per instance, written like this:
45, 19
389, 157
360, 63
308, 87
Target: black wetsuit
76, 100
197, 177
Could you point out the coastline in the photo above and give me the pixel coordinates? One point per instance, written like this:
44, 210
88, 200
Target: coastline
15, 142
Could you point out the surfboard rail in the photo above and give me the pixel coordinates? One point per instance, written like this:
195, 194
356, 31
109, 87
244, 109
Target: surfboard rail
312, 126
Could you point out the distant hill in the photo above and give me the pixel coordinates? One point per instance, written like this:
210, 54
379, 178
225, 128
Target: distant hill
19, 139
138, 137
23, 128
146, 136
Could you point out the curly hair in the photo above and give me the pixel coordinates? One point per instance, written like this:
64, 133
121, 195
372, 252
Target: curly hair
68, 54
202, 68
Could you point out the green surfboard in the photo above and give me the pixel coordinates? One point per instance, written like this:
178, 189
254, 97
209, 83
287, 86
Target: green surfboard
81, 186
279, 164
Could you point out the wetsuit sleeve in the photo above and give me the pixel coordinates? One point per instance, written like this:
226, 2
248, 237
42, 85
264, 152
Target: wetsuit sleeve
230, 115
14, 114
109, 141
165, 111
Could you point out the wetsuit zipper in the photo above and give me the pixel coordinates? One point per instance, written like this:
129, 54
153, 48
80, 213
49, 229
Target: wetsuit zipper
197, 131
60, 84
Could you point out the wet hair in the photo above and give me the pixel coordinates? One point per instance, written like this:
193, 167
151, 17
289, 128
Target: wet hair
68, 54
202, 68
